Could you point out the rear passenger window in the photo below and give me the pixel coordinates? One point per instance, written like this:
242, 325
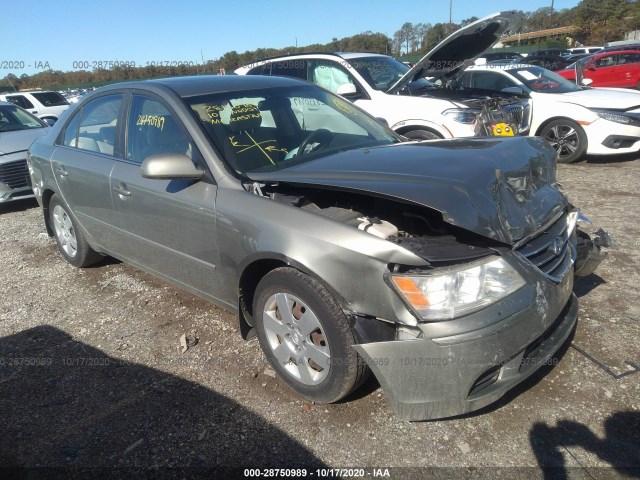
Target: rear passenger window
21, 101
98, 125
71, 132
153, 129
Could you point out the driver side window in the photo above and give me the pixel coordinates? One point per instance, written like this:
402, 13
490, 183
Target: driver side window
153, 129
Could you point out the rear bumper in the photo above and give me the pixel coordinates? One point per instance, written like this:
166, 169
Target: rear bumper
430, 379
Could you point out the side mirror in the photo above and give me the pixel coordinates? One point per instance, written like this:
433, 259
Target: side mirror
516, 90
346, 89
382, 121
586, 82
170, 166
49, 121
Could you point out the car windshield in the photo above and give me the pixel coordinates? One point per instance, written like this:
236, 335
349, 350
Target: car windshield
13, 118
542, 80
382, 72
275, 128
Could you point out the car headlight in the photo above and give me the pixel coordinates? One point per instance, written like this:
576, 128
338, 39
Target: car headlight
462, 115
619, 117
452, 292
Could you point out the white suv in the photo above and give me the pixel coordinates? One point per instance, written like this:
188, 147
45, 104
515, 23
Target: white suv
45, 105
402, 96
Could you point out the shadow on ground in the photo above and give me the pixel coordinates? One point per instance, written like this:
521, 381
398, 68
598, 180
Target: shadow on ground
18, 205
68, 405
620, 448
584, 285
620, 158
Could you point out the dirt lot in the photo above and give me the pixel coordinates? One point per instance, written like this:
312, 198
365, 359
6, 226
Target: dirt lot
91, 375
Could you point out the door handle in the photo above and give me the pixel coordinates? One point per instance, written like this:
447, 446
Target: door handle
122, 191
61, 170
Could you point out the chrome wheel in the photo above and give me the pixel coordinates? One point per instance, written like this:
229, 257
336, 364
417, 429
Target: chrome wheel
296, 338
564, 139
567, 138
65, 232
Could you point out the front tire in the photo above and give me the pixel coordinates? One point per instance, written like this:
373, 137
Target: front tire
421, 135
71, 241
567, 138
306, 337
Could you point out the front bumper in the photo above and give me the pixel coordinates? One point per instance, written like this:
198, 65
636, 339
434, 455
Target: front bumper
15, 183
606, 138
425, 380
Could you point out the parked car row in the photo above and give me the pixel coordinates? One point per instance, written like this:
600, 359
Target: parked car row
313, 209
46, 105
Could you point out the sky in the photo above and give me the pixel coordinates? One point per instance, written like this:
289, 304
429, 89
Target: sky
67, 34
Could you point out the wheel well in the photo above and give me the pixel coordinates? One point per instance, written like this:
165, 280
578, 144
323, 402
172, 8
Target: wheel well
548, 121
249, 280
403, 130
46, 198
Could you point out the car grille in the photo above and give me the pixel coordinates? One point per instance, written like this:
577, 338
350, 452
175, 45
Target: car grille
552, 251
15, 174
518, 114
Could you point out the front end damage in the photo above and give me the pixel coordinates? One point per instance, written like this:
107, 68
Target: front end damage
452, 369
500, 247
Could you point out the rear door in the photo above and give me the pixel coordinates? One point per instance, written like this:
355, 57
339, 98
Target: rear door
167, 226
627, 70
82, 161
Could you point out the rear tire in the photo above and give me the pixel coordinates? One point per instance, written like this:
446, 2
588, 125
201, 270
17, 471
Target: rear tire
306, 337
567, 138
70, 239
421, 135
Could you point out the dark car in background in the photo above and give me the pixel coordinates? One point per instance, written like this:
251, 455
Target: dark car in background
445, 267
18, 130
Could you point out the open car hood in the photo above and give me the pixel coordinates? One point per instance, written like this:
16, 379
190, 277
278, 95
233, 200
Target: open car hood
461, 48
502, 189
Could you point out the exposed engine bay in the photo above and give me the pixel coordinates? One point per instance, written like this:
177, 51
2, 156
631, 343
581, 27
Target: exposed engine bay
420, 230
497, 113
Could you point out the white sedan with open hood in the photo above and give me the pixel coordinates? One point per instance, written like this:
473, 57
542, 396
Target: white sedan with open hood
411, 105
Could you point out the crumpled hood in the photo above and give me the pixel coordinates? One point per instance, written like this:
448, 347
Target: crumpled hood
503, 189
462, 47
19, 140
610, 98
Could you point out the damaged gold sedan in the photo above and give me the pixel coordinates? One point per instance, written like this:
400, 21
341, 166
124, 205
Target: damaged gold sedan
444, 267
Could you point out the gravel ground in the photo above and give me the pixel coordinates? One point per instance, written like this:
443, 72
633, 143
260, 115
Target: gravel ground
92, 375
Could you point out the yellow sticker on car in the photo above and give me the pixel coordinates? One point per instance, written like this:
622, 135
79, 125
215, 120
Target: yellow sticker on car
502, 130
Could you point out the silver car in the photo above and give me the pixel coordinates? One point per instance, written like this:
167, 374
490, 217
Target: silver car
444, 267
18, 130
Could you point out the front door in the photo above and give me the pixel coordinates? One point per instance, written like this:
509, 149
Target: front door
167, 226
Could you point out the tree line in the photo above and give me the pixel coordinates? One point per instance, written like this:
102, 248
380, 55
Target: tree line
597, 22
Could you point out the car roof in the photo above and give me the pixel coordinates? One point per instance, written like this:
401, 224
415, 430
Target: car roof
205, 84
616, 52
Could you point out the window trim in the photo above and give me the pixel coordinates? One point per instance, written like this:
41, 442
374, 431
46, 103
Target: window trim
117, 151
